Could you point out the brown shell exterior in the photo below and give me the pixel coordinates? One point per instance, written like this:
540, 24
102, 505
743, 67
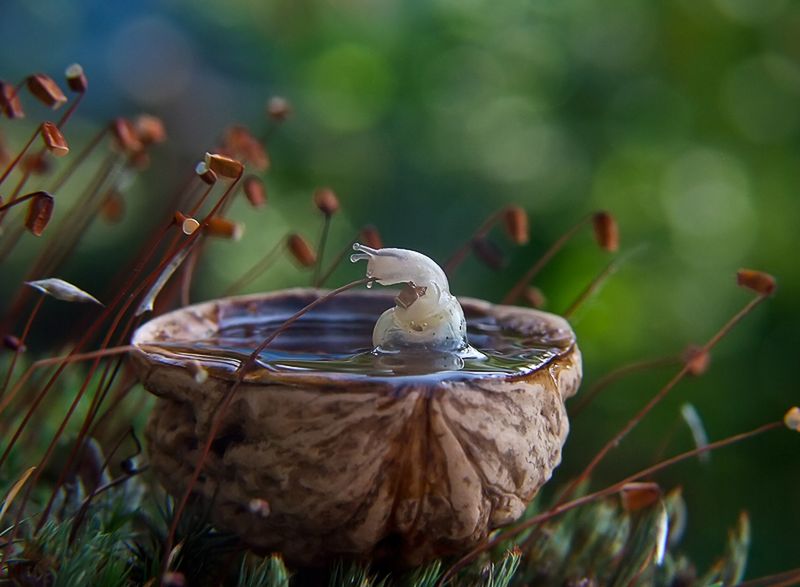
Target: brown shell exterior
404, 476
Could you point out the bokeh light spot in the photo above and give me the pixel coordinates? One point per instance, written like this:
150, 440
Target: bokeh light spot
150, 60
349, 87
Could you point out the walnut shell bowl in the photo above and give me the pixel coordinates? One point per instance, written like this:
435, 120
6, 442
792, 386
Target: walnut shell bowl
398, 466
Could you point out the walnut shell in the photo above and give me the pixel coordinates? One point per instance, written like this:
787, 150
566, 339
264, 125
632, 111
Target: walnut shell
402, 470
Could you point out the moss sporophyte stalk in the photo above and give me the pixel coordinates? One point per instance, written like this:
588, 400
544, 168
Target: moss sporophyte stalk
304, 436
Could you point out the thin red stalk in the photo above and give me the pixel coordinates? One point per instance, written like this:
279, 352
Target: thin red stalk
12, 203
67, 360
153, 276
791, 577
617, 374
221, 410
123, 388
76, 162
126, 304
656, 399
81, 515
158, 232
257, 269
323, 238
90, 331
86, 337
70, 110
25, 331
14, 237
610, 490
201, 200
516, 291
18, 158
336, 260
62, 240
186, 278
78, 219
24, 179
77, 447
461, 253
591, 288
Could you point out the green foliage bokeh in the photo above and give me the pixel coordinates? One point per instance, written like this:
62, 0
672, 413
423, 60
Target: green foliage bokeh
681, 117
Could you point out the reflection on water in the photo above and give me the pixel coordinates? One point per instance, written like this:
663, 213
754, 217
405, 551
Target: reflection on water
339, 343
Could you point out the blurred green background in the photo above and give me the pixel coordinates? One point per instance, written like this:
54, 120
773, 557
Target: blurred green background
681, 117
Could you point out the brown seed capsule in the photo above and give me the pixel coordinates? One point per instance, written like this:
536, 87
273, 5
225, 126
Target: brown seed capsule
488, 253
112, 210
515, 221
188, 225
125, 136
40, 210
240, 143
36, 164
224, 228
758, 281
76, 78
46, 90
535, 297
54, 140
370, 236
149, 129
254, 191
140, 160
208, 176
637, 496
606, 231
792, 419
13, 343
10, 105
325, 199
224, 166
278, 108
696, 360
301, 250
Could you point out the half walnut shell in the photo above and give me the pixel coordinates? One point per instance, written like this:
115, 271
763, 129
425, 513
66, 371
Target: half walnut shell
402, 467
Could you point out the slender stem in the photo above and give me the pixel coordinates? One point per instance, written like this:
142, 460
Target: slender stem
610, 490
791, 577
76, 162
592, 287
12, 203
60, 360
201, 200
225, 402
335, 263
462, 251
656, 399
617, 374
70, 110
186, 277
516, 291
109, 333
18, 158
60, 125
261, 265
326, 225
25, 331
